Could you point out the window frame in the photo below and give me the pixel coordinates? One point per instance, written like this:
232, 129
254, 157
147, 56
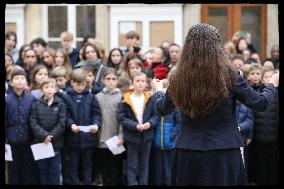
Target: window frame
234, 20
145, 13
71, 22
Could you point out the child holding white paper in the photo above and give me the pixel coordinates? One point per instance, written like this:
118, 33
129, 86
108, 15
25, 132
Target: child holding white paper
18, 104
47, 120
82, 110
109, 98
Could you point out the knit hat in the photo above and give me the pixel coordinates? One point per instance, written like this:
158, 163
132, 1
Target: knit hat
17, 71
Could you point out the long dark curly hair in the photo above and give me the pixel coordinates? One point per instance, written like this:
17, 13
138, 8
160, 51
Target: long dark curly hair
204, 75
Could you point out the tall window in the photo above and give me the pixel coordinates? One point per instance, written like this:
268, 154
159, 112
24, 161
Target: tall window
77, 19
230, 18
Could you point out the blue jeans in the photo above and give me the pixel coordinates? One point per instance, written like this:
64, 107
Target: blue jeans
138, 163
84, 157
50, 170
163, 161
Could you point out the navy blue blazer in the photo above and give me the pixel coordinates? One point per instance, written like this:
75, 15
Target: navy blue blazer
218, 129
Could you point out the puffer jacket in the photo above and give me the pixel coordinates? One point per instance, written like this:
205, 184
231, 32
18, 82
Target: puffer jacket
266, 123
166, 130
17, 113
245, 120
49, 120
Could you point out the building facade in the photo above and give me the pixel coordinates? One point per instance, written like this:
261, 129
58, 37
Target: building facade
154, 22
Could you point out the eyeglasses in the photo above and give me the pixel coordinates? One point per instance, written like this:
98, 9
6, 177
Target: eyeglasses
113, 79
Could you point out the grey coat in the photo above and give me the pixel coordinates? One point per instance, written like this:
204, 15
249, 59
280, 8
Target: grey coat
109, 106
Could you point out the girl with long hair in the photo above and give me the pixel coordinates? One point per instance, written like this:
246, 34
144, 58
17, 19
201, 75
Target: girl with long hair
204, 87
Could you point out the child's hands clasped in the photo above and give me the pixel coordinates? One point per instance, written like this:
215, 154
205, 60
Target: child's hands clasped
142, 127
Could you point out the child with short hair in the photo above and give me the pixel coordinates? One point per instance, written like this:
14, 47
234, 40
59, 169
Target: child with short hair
59, 73
39, 74
17, 130
254, 73
90, 79
133, 49
109, 98
264, 148
83, 110
66, 42
134, 66
38, 45
138, 117
47, 121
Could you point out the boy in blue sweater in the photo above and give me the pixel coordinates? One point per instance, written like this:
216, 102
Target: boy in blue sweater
82, 110
18, 134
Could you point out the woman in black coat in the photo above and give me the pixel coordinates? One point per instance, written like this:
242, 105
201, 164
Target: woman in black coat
204, 87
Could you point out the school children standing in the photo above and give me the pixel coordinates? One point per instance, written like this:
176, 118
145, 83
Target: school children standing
109, 98
82, 110
17, 130
47, 120
264, 148
138, 118
164, 145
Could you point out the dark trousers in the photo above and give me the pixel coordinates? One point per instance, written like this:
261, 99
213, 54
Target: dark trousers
163, 161
138, 163
23, 169
84, 157
263, 163
110, 166
50, 170
65, 162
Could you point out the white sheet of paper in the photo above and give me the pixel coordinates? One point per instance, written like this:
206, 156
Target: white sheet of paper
8, 153
42, 151
113, 147
86, 129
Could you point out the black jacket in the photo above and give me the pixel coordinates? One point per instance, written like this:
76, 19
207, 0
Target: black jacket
128, 120
49, 120
218, 129
266, 123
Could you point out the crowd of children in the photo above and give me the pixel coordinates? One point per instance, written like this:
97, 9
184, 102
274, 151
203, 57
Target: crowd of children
52, 93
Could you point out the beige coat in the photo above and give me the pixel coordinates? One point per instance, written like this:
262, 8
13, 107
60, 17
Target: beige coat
109, 107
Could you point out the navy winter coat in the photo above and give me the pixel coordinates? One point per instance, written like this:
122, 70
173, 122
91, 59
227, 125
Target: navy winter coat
219, 129
17, 113
82, 110
245, 120
128, 120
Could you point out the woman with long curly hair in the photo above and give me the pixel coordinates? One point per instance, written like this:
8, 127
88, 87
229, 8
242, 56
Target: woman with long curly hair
204, 88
